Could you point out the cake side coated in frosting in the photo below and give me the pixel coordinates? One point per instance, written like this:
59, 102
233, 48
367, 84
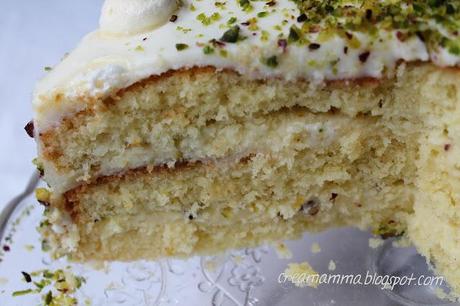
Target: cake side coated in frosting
288, 39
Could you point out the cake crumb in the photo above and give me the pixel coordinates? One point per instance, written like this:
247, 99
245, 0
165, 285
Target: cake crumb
446, 296
440, 293
375, 242
29, 247
331, 266
150, 168
402, 242
171, 164
237, 259
3, 281
100, 266
211, 265
302, 275
282, 250
315, 248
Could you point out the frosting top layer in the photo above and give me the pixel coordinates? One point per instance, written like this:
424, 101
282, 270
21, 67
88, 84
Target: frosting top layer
317, 40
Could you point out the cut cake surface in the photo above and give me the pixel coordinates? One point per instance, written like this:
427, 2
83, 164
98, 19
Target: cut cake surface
257, 121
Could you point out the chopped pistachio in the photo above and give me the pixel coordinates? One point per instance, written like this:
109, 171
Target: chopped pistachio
60, 286
414, 18
183, 30
208, 50
22, 292
48, 298
42, 284
294, 34
207, 20
181, 47
139, 48
252, 24
223, 53
231, 35
38, 165
245, 5
232, 20
48, 274
265, 35
45, 245
220, 5
272, 61
262, 14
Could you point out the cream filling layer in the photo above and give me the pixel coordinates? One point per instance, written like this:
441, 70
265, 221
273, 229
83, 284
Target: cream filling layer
218, 145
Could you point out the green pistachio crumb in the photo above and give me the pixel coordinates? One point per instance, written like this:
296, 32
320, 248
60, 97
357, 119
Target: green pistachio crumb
435, 22
231, 35
223, 53
139, 48
265, 35
272, 61
183, 30
262, 14
48, 274
38, 165
208, 50
220, 5
294, 34
208, 20
181, 47
46, 247
22, 292
231, 21
245, 5
48, 298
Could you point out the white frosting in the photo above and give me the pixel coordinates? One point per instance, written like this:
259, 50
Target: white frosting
134, 16
104, 63
444, 58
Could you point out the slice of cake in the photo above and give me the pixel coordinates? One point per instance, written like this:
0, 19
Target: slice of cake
190, 128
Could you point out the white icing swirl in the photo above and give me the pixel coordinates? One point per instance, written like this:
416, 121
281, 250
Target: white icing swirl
135, 16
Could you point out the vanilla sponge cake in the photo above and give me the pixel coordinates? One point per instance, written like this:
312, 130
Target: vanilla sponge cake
175, 126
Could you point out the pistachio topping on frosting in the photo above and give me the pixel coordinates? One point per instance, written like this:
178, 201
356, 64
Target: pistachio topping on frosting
134, 16
311, 39
436, 22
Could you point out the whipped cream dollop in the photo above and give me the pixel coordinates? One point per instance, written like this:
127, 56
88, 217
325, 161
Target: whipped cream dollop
134, 16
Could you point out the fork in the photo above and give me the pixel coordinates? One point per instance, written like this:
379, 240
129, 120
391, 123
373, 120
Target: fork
6, 213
